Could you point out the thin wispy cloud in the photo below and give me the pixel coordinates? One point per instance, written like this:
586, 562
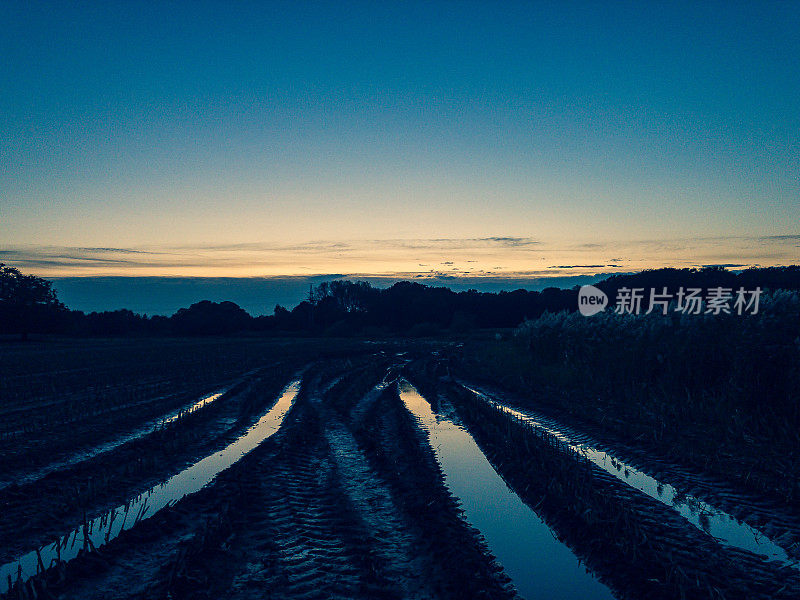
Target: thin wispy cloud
780, 237
114, 250
313, 246
511, 241
725, 265
577, 267
459, 243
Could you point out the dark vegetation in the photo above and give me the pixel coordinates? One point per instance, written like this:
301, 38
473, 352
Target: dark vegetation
76, 380
27, 303
718, 393
345, 308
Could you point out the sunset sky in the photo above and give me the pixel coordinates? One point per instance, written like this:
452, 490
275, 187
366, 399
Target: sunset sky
438, 139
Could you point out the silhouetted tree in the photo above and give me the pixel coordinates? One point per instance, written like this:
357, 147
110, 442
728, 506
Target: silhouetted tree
27, 303
213, 318
117, 322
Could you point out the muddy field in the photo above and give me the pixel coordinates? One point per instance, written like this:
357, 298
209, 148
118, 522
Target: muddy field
349, 470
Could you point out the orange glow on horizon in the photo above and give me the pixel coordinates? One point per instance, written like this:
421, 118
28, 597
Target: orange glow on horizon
506, 257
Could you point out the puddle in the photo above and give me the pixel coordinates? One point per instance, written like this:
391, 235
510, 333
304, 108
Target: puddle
204, 401
108, 526
119, 441
538, 564
726, 529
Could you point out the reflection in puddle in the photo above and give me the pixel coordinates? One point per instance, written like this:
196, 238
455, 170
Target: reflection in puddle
108, 526
205, 400
117, 442
726, 529
538, 564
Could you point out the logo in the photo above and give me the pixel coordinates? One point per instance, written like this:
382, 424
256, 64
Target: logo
591, 300
687, 301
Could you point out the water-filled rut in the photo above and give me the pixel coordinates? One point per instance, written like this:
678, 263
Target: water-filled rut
100, 530
538, 564
723, 527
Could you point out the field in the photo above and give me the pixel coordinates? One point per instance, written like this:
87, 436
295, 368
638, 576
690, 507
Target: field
327, 468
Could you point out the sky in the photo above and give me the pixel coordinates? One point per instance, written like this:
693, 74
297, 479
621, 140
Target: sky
397, 140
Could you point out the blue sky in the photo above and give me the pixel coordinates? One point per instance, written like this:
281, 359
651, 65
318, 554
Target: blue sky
294, 139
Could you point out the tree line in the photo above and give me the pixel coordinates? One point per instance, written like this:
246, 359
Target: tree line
28, 304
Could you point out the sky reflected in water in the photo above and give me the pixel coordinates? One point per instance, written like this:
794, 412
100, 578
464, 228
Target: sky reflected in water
539, 565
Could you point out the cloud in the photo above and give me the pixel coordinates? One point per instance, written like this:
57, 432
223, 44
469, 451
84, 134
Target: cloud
577, 267
458, 243
66, 261
312, 246
51, 256
326, 277
512, 242
114, 250
725, 266
782, 238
